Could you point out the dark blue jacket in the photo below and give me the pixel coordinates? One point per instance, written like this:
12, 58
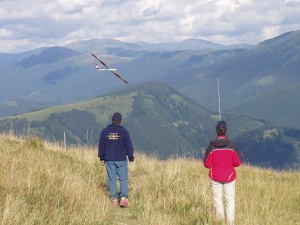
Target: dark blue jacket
115, 144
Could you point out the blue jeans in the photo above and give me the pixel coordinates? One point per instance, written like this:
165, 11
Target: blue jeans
117, 169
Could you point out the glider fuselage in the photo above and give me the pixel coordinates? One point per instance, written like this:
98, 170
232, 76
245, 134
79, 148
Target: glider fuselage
107, 69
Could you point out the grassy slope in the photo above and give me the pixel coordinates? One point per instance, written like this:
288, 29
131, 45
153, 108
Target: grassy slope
41, 183
123, 102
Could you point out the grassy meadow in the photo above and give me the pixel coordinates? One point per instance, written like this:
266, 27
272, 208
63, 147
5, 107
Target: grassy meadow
42, 183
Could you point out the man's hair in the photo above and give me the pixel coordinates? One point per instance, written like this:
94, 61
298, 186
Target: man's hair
116, 122
117, 118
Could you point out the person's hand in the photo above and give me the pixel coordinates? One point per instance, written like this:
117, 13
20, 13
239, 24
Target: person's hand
102, 162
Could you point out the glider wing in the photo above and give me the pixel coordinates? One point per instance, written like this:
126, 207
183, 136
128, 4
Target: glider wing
108, 68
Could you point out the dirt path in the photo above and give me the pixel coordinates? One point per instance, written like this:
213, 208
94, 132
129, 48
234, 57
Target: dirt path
125, 216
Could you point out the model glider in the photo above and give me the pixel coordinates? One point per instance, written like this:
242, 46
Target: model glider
108, 68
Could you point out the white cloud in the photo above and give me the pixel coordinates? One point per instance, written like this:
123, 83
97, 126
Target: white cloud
44, 23
5, 33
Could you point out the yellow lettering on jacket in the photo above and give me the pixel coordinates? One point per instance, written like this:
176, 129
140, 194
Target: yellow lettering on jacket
113, 136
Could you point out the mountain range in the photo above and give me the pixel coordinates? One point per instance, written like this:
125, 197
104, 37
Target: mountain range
258, 93
51, 76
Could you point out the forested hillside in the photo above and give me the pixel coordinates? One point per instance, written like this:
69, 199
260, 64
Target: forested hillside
162, 122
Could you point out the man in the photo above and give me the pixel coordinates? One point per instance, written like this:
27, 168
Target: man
221, 157
115, 148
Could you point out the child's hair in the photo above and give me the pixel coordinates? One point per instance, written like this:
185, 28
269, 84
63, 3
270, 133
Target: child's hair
221, 131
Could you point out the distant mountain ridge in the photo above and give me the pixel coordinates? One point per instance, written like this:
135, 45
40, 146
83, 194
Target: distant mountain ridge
47, 56
105, 44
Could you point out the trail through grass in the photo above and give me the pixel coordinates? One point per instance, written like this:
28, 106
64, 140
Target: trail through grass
125, 216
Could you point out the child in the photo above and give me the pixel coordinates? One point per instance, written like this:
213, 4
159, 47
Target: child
221, 157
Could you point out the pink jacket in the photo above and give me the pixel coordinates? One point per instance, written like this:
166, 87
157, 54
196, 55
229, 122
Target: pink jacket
221, 157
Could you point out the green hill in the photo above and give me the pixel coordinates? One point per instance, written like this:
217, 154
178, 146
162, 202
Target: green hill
162, 122
280, 107
157, 116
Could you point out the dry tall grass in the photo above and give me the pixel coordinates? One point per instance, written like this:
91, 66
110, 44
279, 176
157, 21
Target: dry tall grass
41, 183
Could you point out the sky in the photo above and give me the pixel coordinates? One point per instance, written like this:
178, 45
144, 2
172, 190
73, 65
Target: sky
30, 24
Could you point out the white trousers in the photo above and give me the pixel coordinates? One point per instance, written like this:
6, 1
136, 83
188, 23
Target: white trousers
229, 193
